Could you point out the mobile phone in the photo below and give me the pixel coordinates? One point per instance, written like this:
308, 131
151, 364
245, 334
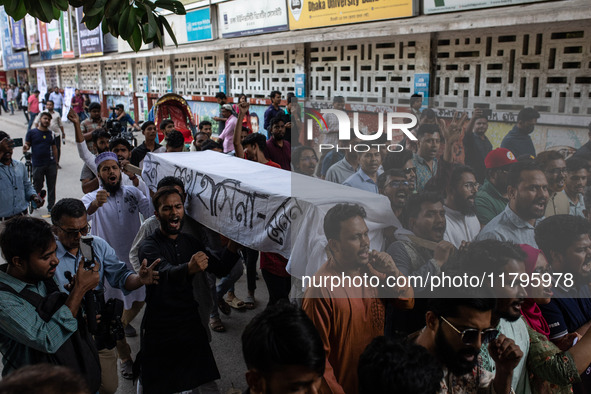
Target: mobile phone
133, 169
17, 142
87, 251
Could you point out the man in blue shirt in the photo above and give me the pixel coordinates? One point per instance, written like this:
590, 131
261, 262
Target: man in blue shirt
366, 178
518, 140
273, 110
44, 157
566, 243
123, 118
70, 222
26, 338
58, 100
17, 190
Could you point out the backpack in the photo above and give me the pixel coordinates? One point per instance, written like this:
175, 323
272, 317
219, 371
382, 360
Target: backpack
79, 352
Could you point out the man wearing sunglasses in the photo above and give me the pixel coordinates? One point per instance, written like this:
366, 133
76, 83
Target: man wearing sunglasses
554, 167
394, 185
70, 224
503, 259
455, 332
462, 225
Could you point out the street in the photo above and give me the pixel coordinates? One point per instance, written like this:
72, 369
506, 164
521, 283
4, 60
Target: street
226, 346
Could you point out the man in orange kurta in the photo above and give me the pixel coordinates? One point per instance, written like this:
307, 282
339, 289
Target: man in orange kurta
349, 315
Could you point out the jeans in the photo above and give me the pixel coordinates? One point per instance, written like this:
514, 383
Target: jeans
59, 111
32, 116
48, 174
227, 282
82, 115
26, 112
58, 144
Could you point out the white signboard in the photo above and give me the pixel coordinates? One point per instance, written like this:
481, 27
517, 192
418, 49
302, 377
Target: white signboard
41, 84
438, 6
68, 94
247, 17
263, 207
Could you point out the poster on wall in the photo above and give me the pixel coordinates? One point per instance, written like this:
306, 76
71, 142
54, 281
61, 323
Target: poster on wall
438, 6
421, 86
305, 14
195, 26
41, 82
248, 17
10, 60
66, 34
18, 34
50, 43
32, 35
90, 42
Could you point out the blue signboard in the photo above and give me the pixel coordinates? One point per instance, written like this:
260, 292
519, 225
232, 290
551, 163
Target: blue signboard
422, 87
199, 25
300, 85
12, 60
18, 34
222, 79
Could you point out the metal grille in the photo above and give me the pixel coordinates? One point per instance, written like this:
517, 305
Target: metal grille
159, 74
507, 71
368, 72
117, 75
141, 75
257, 73
68, 76
196, 74
89, 77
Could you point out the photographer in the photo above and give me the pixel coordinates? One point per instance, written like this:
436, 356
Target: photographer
38, 323
122, 117
70, 223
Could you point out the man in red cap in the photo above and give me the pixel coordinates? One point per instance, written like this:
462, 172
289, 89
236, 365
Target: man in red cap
491, 198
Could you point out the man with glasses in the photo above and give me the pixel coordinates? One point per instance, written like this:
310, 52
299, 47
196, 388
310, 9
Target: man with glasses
554, 167
70, 223
394, 185
491, 198
460, 214
527, 190
456, 330
503, 259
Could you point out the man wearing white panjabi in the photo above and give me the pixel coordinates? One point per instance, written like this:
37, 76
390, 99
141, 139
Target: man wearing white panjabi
114, 210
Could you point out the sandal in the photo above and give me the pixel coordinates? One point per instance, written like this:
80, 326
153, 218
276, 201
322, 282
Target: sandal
236, 303
224, 307
216, 325
249, 303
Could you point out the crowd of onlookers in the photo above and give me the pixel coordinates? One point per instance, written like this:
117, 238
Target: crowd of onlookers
509, 214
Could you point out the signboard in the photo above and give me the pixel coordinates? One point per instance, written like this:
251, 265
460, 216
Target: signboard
195, 26
18, 34
110, 43
50, 43
32, 35
10, 60
247, 17
66, 30
90, 42
305, 14
438, 6
300, 85
422, 87
41, 82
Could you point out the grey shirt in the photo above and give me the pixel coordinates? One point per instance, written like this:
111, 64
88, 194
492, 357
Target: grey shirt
340, 171
507, 226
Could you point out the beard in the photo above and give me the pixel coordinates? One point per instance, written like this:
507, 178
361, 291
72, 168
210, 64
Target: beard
166, 228
112, 189
279, 137
466, 207
452, 359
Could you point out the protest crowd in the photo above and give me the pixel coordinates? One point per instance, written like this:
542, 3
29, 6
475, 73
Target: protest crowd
72, 286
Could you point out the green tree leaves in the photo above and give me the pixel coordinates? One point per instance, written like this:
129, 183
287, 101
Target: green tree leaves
135, 21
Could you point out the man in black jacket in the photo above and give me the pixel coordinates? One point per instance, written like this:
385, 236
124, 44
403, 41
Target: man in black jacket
175, 354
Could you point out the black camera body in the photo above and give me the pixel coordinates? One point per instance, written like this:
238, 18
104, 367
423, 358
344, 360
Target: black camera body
109, 329
114, 127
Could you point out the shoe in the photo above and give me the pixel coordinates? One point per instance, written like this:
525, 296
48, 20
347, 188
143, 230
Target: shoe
216, 324
236, 303
127, 369
130, 331
249, 303
224, 307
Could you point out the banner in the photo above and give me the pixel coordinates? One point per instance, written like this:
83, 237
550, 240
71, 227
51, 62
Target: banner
421, 86
10, 60
438, 6
66, 30
247, 17
198, 25
50, 44
90, 42
41, 83
18, 35
305, 14
68, 94
265, 208
32, 35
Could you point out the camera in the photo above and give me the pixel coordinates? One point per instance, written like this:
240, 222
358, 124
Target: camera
110, 328
114, 127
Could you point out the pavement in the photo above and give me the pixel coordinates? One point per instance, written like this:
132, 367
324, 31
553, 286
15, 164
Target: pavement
226, 346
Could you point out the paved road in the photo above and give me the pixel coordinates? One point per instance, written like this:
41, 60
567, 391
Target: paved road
226, 346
